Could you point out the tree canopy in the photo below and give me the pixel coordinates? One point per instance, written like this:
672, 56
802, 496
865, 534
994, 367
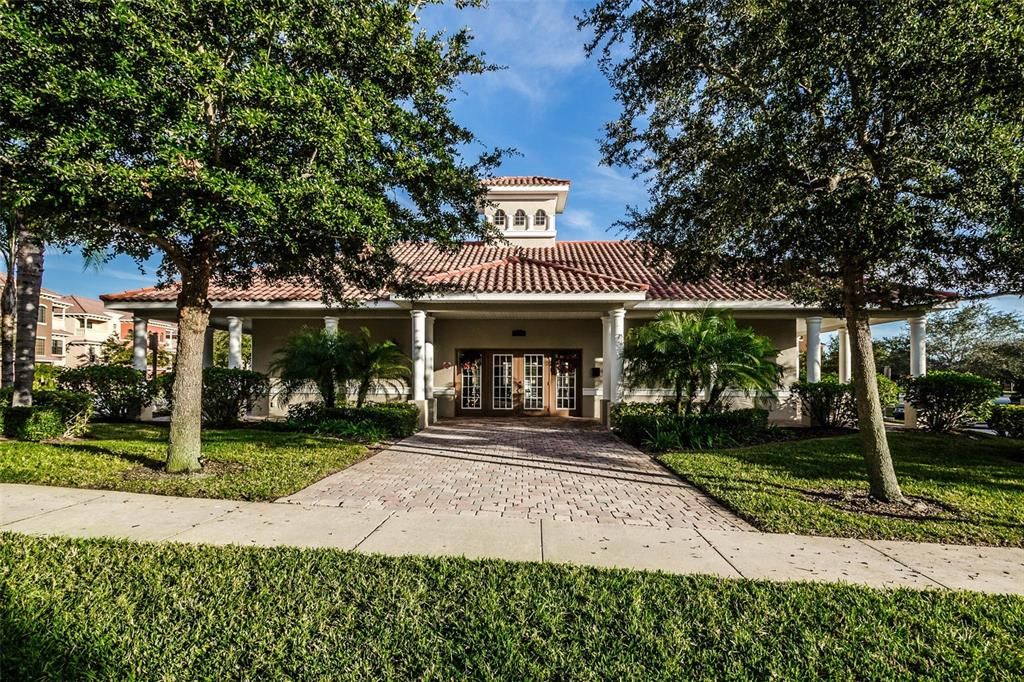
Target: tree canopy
275, 140
854, 154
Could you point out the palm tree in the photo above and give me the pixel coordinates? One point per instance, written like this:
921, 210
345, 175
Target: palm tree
375, 365
316, 356
691, 352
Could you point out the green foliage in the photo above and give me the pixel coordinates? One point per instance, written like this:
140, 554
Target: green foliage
947, 401
240, 143
372, 421
375, 365
121, 352
832, 404
336, 361
221, 341
227, 393
46, 377
33, 423
312, 356
53, 414
978, 481
805, 146
306, 140
888, 391
704, 351
323, 614
247, 464
118, 392
1007, 420
658, 427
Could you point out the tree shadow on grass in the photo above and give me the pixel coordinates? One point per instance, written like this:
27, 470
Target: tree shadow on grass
99, 450
32, 649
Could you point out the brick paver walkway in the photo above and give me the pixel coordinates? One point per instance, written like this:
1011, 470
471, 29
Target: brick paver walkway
559, 469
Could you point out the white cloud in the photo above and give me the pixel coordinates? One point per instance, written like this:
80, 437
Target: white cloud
608, 184
536, 40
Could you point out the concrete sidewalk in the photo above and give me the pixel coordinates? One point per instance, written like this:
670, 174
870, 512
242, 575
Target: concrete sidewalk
729, 553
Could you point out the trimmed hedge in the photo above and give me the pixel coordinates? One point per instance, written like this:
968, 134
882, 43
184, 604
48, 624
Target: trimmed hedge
1007, 420
119, 393
33, 423
654, 426
947, 401
53, 414
372, 421
833, 404
227, 393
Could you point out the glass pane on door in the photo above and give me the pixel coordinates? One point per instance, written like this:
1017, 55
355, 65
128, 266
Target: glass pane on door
533, 381
565, 389
470, 370
501, 397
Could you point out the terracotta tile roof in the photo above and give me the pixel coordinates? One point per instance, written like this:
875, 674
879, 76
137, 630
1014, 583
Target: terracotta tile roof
530, 276
522, 180
88, 306
566, 267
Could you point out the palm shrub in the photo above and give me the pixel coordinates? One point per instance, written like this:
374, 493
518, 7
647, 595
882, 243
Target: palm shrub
703, 351
375, 365
314, 356
947, 401
335, 360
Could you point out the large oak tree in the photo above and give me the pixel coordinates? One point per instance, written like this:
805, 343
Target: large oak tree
243, 139
856, 153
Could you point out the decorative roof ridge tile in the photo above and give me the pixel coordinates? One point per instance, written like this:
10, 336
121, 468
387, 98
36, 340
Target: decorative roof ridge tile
589, 273
449, 274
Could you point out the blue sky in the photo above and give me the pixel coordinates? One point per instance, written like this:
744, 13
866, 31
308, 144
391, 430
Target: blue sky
550, 104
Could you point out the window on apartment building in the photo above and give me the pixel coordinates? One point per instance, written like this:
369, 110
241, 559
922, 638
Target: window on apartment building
43, 310
520, 218
499, 218
540, 219
57, 347
40, 345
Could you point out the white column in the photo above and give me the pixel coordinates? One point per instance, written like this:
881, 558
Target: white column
606, 357
234, 343
140, 342
918, 362
813, 349
617, 338
331, 324
918, 350
208, 347
428, 359
419, 333
845, 368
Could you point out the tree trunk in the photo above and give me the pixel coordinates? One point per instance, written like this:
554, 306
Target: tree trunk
185, 444
29, 282
328, 393
8, 302
874, 445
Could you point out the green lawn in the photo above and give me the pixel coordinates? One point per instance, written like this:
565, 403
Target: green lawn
75, 609
241, 464
980, 481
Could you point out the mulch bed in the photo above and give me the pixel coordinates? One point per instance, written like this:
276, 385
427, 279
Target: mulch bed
860, 502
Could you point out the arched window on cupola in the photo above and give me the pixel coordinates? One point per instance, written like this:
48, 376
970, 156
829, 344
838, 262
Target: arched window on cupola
519, 220
499, 218
540, 219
